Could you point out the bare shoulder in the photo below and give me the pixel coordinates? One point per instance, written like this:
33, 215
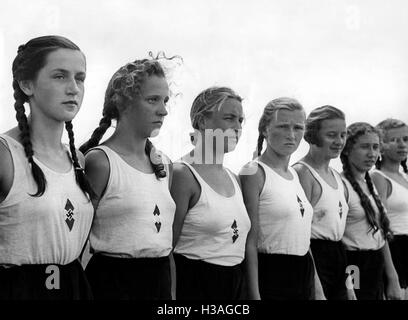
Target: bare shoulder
304, 173
96, 159
252, 174
183, 178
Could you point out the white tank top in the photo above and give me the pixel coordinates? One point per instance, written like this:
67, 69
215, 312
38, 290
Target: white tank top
285, 215
330, 211
134, 218
216, 228
51, 229
357, 234
397, 206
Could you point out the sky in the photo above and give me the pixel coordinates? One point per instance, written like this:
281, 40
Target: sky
349, 54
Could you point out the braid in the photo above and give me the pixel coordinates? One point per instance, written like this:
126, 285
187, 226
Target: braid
36, 171
79, 171
384, 222
404, 165
259, 145
97, 135
157, 164
364, 200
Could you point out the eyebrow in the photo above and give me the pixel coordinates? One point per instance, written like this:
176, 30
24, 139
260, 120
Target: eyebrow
66, 71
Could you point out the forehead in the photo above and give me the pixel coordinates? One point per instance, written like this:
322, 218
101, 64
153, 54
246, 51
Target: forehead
333, 125
397, 132
155, 85
67, 59
291, 116
230, 105
370, 137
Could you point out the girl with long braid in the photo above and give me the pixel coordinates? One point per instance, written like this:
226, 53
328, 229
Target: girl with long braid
131, 235
45, 210
392, 185
367, 227
278, 262
326, 135
211, 223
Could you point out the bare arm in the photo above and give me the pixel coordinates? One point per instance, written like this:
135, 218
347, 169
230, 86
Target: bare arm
6, 171
185, 192
393, 290
97, 171
252, 185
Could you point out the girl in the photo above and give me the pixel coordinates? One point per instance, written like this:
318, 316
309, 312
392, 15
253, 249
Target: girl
45, 212
211, 223
367, 226
278, 262
326, 135
131, 235
392, 186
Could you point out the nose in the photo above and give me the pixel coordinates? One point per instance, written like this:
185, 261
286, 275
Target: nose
162, 111
73, 87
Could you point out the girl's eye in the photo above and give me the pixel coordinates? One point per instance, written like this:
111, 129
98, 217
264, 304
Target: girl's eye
59, 76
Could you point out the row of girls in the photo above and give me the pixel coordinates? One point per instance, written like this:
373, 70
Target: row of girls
275, 232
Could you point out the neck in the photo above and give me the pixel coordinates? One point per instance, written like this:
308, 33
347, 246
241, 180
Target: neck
390, 166
358, 175
317, 160
126, 143
275, 160
46, 134
206, 154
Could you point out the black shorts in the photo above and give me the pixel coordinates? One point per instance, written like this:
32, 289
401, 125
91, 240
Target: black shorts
129, 278
285, 277
44, 282
331, 262
368, 280
399, 253
200, 280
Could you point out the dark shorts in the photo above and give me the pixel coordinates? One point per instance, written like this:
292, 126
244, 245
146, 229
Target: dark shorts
44, 282
285, 277
129, 278
399, 253
331, 262
368, 280
200, 280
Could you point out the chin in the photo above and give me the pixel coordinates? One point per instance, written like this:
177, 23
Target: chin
154, 133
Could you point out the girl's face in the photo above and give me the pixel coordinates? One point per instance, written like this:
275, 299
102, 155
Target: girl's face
285, 131
395, 145
364, 152
224, 124
148, 110
58, 89
332, 136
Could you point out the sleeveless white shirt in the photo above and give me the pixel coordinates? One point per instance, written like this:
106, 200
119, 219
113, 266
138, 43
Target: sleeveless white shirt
134, 218
50, 229
216, 227
285, 215
397, 206
330, 211
358, 234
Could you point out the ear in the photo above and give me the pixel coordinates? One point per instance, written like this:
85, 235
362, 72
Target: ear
27, 87
201, 122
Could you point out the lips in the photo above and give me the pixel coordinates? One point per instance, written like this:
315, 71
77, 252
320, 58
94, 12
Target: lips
72, 102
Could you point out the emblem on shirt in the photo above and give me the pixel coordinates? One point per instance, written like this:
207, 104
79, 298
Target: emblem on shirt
156, 214
302, 209
340, 210
235, 231
69, 208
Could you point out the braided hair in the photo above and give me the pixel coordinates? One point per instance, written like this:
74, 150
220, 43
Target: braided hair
383, 127
30, 59
123, 88
269, 112
354, 131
